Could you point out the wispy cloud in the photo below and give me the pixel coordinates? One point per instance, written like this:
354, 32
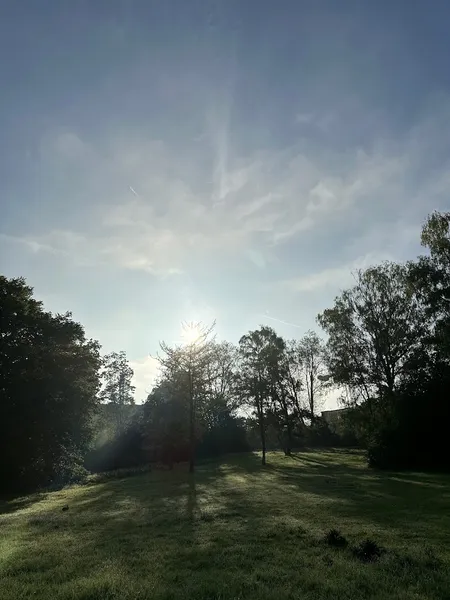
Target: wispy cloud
247, 206
32, 244
264, 199
334, 278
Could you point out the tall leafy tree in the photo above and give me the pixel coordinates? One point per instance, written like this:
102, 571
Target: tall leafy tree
294, 379
48, 389
382, 347
430, 278
375, 330
436, 237
260, 379
117, 388
189, 365
166, 422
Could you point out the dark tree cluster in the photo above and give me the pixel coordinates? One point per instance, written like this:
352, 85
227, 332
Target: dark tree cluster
49, 379
215, 398
64, 408
389, 348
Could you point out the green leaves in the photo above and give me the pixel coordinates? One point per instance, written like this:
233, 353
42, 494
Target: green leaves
117, 388
48, 387
374, 329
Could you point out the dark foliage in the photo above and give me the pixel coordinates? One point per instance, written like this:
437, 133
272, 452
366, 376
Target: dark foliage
335, 538
227, 436
319, 434
416, 438
123, 451
156, 435
48, 386
389, 344
367, 551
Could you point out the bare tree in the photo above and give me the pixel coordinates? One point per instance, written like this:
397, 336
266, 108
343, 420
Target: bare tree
311, 357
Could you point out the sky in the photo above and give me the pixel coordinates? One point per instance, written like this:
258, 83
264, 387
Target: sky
237, 160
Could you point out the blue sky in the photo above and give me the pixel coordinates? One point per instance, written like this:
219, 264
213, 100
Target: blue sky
236, 160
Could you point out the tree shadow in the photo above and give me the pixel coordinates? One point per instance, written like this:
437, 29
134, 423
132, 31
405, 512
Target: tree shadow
12, 503
308, 459
386, 498
191, 497
235, 513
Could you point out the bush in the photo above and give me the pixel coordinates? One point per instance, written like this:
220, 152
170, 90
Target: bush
228, 436
69, 470
367, 551
319, 434
334, 538
384, 452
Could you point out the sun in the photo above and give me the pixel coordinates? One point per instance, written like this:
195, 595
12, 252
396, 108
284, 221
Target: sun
190, 333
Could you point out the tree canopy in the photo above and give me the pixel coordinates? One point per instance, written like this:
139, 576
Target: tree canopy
49, 382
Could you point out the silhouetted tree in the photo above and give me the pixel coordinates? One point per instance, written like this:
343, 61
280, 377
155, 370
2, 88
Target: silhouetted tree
166, 422
48, 389
189, 365
374, 329
311, 351
307, 363
260, 380
389, 344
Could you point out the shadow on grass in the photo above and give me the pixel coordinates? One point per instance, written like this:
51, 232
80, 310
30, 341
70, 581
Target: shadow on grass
12, 503
233, 529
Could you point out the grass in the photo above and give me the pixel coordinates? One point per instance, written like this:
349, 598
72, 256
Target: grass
235, 530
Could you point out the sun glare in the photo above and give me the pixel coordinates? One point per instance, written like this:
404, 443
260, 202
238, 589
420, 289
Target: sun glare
190, 333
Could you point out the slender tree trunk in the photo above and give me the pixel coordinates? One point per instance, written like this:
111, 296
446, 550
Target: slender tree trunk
287, 435
262, 430
289, 438
191, 425
263, 441
295, 396
311, 392
287, 416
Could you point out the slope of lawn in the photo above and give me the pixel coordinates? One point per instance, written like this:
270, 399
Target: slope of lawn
235, 530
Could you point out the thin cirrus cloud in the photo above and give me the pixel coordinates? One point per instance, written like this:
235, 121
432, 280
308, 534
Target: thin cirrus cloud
335, 278
260, 204
260, 201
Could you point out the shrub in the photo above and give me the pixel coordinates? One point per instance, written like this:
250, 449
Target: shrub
367, 551
334, 538
69, 469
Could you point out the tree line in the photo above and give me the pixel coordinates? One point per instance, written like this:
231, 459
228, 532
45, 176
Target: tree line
214, 397
64, 408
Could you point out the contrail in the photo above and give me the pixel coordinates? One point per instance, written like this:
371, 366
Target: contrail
133, 191
281, 321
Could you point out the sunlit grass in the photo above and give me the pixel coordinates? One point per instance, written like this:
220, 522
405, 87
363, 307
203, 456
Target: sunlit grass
234, 530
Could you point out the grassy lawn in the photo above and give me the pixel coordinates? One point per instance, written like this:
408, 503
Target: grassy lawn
235, 530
